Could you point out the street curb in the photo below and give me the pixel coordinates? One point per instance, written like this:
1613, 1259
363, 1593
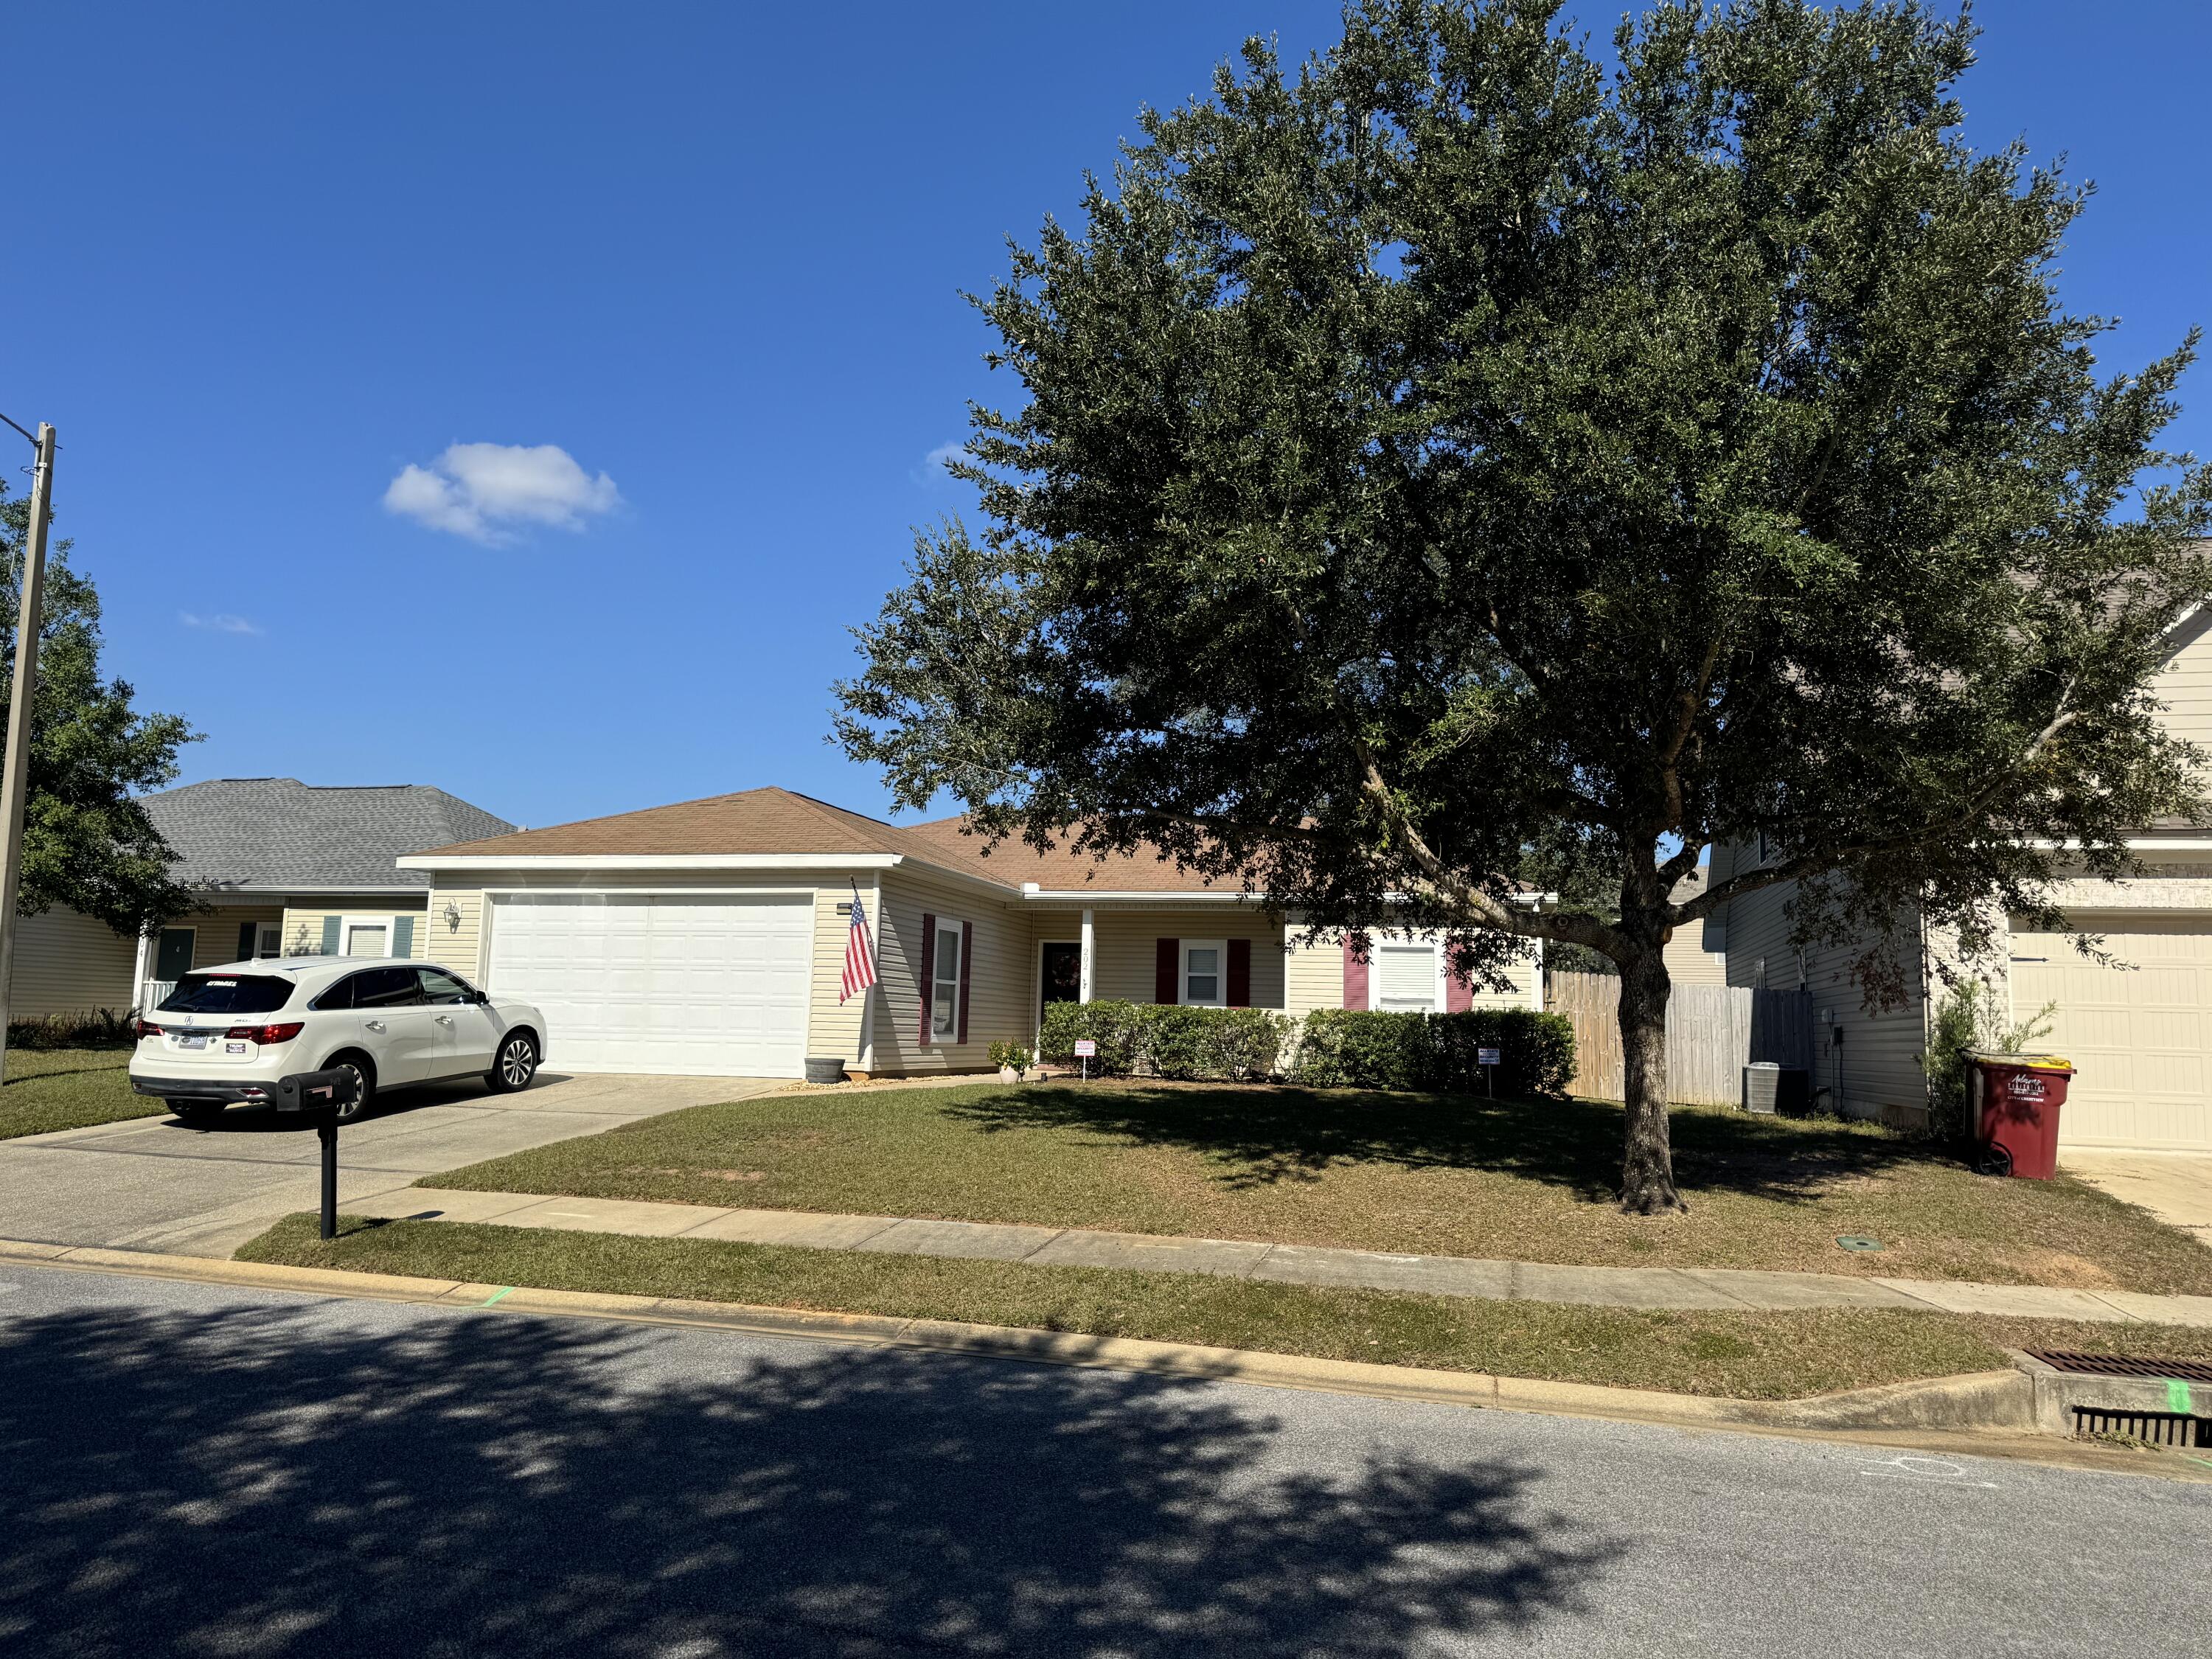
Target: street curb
1988, 1400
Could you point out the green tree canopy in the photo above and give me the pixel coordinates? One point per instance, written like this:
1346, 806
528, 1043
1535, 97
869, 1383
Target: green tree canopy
87, 843
1454, 461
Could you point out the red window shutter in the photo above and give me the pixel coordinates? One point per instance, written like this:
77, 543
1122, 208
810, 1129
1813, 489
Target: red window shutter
1355, 977
1167, 972
1240, 974
967, 961
929, 968
1459, 993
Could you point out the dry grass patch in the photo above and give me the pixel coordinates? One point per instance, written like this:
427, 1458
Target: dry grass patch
1420, 1174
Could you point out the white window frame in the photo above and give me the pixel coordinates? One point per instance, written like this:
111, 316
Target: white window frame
1435, 955
1220, 949
347, 924
944, 1004
268, 940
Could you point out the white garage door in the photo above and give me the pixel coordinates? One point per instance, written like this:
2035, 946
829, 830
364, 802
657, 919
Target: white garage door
644, 982
2141, 1036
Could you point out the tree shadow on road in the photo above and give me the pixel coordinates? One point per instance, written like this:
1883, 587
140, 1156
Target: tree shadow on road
277, 1480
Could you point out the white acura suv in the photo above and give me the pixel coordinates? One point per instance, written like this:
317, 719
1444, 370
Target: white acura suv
226, 1034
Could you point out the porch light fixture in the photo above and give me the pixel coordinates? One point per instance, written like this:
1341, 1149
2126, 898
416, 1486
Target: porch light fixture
453, 915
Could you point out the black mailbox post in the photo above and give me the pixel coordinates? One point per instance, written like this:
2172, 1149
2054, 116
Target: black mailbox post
323, 1093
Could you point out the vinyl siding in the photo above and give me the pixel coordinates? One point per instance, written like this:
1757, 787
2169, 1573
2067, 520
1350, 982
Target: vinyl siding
303, 924
998, 977
2184, 684
1881, 1050
460, 947
68, 964
1316, 979
834, 1029
1127, 943
1689, 962
215, 933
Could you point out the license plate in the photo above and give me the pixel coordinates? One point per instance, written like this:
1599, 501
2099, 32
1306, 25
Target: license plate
196, 1040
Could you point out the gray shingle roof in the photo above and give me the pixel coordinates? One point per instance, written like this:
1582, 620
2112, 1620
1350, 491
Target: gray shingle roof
279, 833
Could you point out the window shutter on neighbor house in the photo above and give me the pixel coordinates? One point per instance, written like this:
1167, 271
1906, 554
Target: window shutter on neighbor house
928, 969
967, 961
1167, 969
329, 936
1355, 977
403, 936
1459, 991
1240, 974
248, 933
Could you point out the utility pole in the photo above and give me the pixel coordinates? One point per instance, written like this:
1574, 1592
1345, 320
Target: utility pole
15, 769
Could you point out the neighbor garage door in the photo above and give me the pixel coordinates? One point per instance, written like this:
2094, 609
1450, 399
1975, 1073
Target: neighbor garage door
661, 983
2141, 1035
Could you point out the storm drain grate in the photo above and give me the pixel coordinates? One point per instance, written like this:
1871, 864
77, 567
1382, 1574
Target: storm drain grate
2114, 1364
2157, 1428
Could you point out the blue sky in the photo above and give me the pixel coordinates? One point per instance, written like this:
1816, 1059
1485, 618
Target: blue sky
280, 254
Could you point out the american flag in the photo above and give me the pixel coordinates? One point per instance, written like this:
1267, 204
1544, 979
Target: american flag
859, 953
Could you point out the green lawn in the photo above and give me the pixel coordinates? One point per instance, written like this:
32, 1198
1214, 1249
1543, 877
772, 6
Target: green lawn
68, 1088
1743, 1355
1430, 1175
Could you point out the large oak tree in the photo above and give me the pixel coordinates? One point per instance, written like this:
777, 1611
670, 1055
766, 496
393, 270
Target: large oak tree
1455, 460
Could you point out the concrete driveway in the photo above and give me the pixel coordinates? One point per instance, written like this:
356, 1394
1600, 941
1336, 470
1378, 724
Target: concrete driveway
2175, 1187
153, 1184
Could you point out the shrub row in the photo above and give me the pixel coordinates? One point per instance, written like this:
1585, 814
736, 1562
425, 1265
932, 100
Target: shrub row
1356, 1048
1232, 1044
100, 1028
1336, 1048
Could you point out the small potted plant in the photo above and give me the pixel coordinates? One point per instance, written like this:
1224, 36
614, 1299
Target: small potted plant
1012, 1059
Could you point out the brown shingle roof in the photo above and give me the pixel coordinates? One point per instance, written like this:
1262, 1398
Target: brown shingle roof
771, 820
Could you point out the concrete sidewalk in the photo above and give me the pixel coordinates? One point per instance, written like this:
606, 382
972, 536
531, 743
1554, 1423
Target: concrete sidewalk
1292, 1264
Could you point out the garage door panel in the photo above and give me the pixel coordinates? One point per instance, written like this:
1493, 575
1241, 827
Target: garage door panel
2140, 1033
637, 983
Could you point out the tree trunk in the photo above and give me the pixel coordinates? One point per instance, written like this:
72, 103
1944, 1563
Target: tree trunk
1647, 1171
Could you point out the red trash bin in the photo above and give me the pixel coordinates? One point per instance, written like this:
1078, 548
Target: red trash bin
2014, 1106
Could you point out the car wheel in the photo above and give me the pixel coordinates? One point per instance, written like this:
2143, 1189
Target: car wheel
360, 1066
198, 1113
515, 1065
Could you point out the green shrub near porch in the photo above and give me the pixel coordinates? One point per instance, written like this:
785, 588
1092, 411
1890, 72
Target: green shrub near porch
1163, 1040
1364, 1048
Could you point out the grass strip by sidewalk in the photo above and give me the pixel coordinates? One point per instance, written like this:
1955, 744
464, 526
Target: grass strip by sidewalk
1752, 1356
50, 1089
1423, 1174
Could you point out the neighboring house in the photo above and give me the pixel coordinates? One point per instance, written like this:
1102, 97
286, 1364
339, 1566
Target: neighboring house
2139, 1031
1688, 960
280, 868
709, 937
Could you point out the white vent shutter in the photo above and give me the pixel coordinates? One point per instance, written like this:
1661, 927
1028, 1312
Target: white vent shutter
1406, 976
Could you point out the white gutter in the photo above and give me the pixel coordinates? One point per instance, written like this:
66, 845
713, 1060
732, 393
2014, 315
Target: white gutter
651, 861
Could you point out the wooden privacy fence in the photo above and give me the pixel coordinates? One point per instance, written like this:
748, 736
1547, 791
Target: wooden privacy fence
1713, 1031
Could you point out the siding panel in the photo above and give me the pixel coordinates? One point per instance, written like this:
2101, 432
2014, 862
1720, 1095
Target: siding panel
68, 964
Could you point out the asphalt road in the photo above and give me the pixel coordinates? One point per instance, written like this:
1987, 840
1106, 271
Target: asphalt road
190, 1469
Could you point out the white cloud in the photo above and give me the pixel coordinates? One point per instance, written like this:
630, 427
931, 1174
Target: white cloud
935, 465
222, 623
479, 490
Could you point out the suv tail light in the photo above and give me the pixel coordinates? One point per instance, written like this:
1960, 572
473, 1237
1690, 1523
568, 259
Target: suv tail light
265, 1035
142, 1028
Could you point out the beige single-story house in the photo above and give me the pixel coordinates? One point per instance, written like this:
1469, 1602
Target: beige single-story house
2138, 1028
277, 867
710, 937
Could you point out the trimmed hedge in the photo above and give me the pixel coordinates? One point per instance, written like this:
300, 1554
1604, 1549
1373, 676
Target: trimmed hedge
1362, 1049
1190, 1044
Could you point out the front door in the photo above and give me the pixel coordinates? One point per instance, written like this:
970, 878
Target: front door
173, 957
1063, 976
399, 1026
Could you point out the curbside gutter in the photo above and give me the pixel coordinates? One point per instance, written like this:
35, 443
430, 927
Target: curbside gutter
1982, 1413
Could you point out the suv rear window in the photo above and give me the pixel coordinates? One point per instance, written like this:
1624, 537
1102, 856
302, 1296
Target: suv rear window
228, 993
